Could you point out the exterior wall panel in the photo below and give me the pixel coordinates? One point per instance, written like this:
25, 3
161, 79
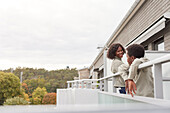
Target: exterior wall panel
99, 62
151, 11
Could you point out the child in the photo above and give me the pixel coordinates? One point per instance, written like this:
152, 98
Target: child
139, 81
115, 53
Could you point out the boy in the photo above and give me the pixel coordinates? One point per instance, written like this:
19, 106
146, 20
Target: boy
139, 81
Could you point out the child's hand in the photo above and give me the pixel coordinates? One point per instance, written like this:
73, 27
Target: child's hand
130, 87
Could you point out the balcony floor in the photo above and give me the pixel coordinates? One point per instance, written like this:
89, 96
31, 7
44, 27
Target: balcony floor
114, 108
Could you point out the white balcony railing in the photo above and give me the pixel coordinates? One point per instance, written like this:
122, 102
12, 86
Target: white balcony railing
156, 64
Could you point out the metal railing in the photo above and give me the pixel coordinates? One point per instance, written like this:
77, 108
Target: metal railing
157, 74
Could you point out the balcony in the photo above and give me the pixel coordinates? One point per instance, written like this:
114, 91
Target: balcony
95, 94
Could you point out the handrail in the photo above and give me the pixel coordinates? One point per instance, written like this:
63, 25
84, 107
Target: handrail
157, 74
162, 59
110, 76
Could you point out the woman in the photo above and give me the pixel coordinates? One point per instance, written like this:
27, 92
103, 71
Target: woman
116, 52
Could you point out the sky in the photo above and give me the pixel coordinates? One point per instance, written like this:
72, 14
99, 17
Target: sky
53, 34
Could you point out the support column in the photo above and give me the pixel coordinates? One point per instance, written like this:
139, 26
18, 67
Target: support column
113, 81
106, 85
158, 85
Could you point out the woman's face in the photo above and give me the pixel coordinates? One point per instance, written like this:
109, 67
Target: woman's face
119, 52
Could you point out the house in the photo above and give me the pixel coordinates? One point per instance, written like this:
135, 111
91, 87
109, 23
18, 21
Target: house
146, 23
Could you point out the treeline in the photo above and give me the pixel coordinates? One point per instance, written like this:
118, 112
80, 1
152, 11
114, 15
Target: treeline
51, 80
34, 79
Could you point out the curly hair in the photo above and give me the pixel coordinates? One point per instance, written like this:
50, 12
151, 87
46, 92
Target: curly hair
136, 50
111, 53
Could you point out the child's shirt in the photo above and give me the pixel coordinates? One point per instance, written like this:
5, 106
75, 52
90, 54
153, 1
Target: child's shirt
142, 77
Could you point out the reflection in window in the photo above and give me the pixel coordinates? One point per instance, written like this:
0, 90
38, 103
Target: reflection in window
159, 45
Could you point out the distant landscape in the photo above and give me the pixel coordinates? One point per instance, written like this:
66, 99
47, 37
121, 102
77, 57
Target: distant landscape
37, 87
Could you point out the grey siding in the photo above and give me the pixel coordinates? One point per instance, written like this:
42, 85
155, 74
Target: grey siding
99, 62
144, 17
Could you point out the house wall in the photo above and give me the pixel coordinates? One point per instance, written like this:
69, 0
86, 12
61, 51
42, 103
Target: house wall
99, 62
84, 73
148, 13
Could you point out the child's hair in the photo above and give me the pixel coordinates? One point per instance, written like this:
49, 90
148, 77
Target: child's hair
136, 50
111, 53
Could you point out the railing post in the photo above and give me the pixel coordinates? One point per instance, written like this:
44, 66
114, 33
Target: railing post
101, 82
82, 84
68, 85
77, 84
158, 85
106, 85
91, 84
87, 85
72, 84
113, 81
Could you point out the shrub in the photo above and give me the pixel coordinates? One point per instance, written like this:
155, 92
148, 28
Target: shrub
49, 98
36, 100
38, 95
16, 101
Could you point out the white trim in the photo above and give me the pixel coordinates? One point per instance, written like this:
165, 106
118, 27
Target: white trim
166, 78
153, 30
167, 15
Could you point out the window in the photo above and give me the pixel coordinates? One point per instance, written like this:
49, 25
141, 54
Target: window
159, 44
146, 47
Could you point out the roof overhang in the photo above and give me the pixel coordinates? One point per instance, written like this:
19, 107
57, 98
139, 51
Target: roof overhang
151, 30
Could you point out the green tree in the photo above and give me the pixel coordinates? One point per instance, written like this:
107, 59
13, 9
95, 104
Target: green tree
38, 95
43, 78
41, 82
9, 86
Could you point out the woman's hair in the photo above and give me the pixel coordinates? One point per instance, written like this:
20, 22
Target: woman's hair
136, 50
111, 53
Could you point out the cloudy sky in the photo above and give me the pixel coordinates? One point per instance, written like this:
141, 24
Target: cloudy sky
53, 34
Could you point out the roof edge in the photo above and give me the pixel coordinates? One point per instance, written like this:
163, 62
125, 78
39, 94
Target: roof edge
134, 8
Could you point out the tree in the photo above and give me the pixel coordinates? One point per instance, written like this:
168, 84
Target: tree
25, 87
9, 86
38, 95
41, 82
49, 98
